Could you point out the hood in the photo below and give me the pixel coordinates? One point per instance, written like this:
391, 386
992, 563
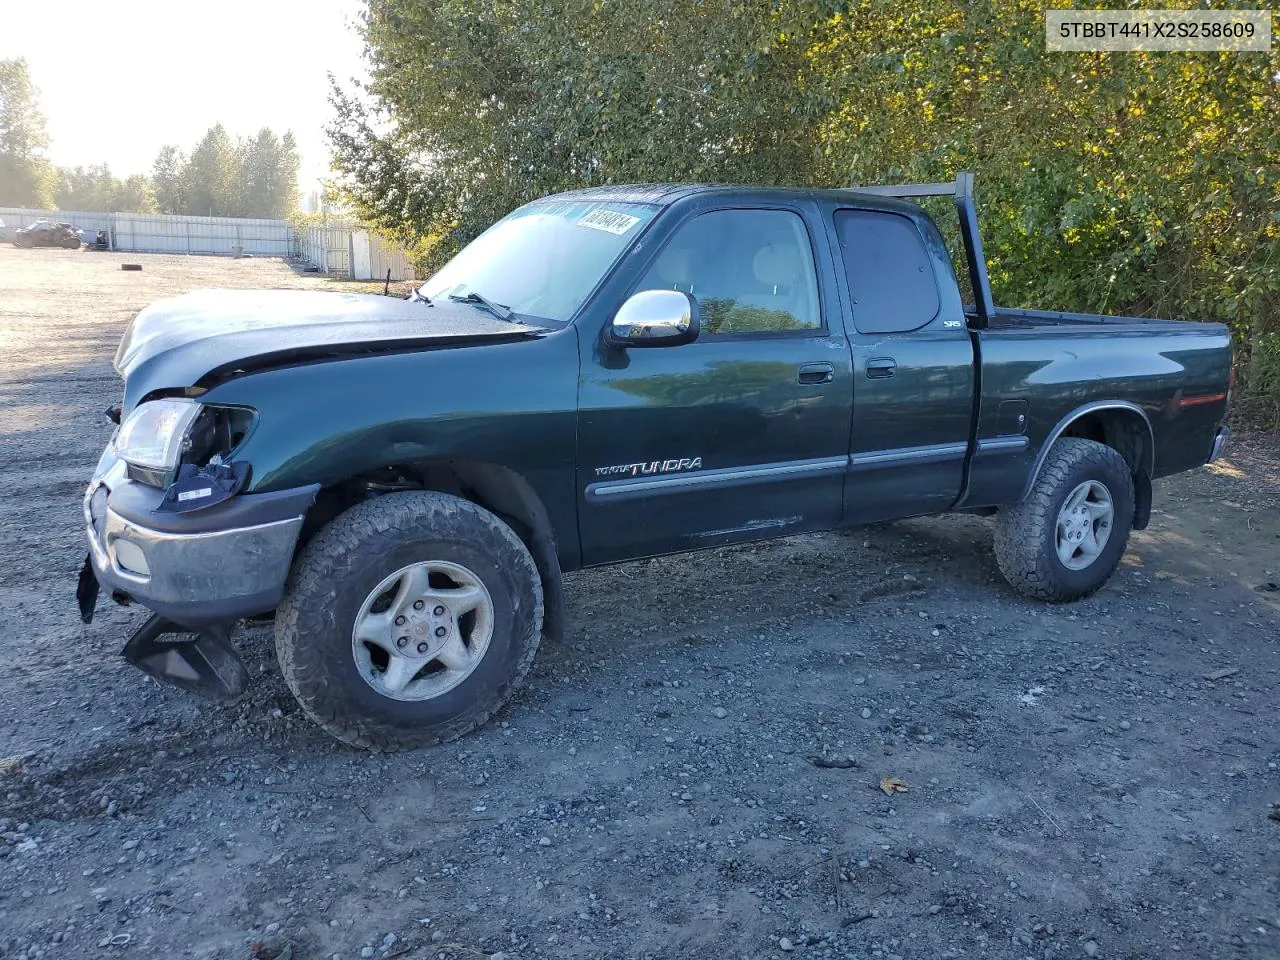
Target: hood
179, 341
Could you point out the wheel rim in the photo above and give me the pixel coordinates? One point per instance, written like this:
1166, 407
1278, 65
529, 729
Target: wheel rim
1084, 524
422, 630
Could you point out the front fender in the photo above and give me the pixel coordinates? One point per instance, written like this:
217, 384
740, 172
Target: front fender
513, 405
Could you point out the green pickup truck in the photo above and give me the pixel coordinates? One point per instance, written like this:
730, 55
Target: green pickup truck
605, 375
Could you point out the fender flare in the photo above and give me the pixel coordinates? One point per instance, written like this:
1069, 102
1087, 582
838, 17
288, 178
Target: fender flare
1093, 407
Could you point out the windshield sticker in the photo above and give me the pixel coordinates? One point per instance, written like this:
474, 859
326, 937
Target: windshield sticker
610, 221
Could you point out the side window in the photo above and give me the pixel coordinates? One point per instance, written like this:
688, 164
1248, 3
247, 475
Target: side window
891, 277
751, 271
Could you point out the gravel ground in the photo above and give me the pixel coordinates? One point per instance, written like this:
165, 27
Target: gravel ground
694, 772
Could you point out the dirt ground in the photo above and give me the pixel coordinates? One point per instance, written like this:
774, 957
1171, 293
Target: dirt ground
1084, 780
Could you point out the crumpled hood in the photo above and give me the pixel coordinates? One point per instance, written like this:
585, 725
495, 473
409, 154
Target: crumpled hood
179, 340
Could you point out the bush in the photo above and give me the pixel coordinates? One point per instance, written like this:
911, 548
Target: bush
1261, 382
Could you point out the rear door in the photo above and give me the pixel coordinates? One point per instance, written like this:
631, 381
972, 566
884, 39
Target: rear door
913, 371
739, 435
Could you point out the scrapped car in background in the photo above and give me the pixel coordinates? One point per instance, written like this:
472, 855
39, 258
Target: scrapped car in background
47, 233
606, 375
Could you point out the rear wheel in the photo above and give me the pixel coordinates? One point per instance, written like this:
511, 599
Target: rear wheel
71, 243
1065, 539
410, 619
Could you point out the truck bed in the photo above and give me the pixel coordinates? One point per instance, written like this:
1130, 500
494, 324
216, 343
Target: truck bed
1015, 317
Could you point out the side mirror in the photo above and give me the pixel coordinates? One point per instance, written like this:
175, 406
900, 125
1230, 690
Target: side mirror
655, 318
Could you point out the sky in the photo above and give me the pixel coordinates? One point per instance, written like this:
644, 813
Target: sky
119, 79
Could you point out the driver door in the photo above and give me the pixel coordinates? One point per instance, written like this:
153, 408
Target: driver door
740, 435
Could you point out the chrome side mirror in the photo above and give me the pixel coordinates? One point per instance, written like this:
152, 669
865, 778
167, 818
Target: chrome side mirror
655, 318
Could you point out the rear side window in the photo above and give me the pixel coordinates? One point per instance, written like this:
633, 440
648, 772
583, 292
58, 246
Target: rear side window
890, 274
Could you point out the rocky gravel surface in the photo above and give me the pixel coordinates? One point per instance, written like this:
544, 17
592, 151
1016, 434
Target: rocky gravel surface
853, 745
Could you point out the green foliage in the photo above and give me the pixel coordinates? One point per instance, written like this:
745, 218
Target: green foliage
94, 189
475, 107
168, 180
728, 316
1144, 183
136, 195
211, 187
254, 177
1262, 378
26, 178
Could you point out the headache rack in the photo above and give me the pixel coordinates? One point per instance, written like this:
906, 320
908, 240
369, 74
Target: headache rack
962, 189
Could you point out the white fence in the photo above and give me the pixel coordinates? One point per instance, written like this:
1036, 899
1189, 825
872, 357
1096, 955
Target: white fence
333, 248
347, 250
148, 233
328, 247
162, 233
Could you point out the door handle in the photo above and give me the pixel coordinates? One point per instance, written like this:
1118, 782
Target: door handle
881, 367
817, 373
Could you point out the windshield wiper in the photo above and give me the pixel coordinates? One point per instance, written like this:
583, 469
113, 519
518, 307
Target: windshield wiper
480, 300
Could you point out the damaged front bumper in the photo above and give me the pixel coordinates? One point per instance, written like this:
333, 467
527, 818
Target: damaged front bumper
199, 571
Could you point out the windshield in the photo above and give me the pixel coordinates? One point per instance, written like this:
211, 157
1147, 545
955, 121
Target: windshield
543, 260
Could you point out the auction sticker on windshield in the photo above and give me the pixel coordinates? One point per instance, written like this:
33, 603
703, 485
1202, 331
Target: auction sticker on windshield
610, 221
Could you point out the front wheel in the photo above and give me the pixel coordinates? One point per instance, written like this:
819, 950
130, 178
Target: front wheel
1065, 539
410, 619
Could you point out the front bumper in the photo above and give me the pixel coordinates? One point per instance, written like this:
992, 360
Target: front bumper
207, 566
1219, 443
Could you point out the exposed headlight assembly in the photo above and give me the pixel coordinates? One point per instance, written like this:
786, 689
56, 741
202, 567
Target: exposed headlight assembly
158, 436
153, 436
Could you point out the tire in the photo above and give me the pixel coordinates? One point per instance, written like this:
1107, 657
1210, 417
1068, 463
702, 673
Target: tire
332, 589
71, 243
1028, 535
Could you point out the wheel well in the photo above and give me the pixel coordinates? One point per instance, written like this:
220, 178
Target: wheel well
499, 490
1126, 432
1122, 430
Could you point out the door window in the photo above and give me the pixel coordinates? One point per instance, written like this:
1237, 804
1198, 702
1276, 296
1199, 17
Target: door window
891, 279
751, 271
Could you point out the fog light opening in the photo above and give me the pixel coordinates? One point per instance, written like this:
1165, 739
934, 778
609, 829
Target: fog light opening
131, 558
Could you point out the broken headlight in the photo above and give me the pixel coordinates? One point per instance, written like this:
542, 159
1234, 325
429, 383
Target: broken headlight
152, 437
158, 436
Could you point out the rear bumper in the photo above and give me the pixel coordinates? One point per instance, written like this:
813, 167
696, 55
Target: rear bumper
1219, 443
207, 566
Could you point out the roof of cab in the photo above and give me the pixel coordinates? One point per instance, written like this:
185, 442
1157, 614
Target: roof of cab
665, 194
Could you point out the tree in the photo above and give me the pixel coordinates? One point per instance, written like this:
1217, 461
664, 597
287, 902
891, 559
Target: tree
92, 189
285, 195
96, 190
269, 175
26, 178
474, 108
212, 176
254, 177
168, 180
135, 195
259, 157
